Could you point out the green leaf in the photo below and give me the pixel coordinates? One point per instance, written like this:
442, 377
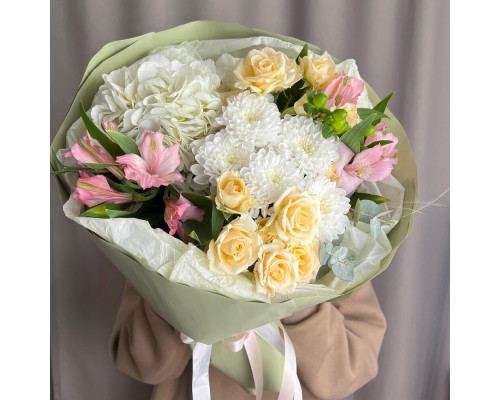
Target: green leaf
288, 111
327, 131
126, 144
204, 228
194, 235
366, 112
352, 138
309, 108
98, 135
100, 166
380, 142
133, 211
100, 211
120, 187
357, 212
381, 106
149, 195
310, 97
217, 221
303, 52
343, 261
288, 97
202, 202
66, 170
366, 196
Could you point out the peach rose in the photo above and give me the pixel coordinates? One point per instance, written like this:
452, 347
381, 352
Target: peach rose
298, 106
237, 246
232, 194
318, 72
276, 271
295, 216
266, 70
266, 232
308, 257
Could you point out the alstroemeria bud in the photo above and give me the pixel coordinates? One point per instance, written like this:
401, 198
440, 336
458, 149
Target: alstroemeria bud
95, 190
89, 151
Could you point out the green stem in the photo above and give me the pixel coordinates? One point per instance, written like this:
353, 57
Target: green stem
146, 196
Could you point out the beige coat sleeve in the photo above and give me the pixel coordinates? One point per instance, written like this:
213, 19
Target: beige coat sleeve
143, 345
337, 345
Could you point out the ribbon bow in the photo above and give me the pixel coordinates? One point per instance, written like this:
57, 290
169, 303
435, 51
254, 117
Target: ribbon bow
290, 384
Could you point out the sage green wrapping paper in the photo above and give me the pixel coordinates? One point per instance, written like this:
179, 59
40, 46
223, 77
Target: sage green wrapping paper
205, 316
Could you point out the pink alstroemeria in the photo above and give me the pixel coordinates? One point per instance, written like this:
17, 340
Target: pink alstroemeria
343, 89
180, 211
389, 150
156, 165
89, 150
369, 165
95, 190
347, 181
110, 126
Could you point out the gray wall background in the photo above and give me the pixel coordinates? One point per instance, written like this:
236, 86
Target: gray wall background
400, 45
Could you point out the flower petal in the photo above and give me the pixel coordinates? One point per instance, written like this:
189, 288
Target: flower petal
349, 182
345, 155
168, 160
136, 169
151, 148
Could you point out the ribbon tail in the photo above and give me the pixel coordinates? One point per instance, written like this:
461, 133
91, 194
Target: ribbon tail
201, 364
290, 384
255, 360
291, 364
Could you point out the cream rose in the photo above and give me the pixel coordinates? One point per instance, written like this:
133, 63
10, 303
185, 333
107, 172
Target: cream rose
308, 257
232, 194
295, 216
319, 72
276, 271
266, 70
266, 232
298, 106
237, 246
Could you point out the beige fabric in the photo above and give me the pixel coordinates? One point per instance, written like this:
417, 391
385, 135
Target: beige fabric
337, 347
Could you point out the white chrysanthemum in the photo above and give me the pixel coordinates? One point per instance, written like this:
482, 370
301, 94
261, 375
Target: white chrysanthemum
268, 174
251, 118
333, 204
301, 140
217, 154
171, 91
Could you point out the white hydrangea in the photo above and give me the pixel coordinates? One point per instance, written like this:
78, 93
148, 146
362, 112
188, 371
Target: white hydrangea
251, 118
171, 91
268, 174
216, 154
301, 140
333, 204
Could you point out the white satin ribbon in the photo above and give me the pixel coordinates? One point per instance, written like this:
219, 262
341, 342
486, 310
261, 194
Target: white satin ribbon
201, 363
290, 384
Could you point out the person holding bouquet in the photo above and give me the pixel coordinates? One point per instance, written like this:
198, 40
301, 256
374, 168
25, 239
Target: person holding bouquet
336, 344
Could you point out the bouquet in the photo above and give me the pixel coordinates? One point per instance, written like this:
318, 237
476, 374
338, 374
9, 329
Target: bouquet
235, 176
